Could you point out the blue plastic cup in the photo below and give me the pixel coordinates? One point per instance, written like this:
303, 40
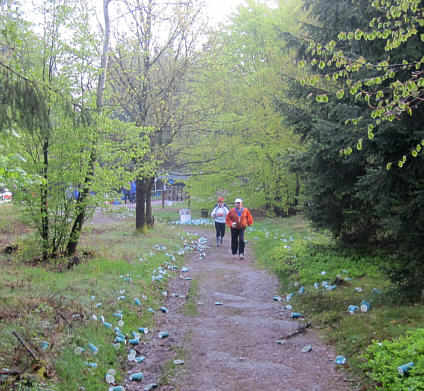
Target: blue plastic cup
404, 369
90, 364
365, 306
138, 376
340, 360
163, 334
296, 315
352, 308
134, 341
137, 301
93, 348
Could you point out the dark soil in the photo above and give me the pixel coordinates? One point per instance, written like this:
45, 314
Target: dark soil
233, 346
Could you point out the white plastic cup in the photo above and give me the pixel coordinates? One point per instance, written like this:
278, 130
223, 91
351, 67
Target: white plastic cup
79, 350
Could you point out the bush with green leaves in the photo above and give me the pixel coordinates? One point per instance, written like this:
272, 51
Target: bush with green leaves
383, 359
304, 261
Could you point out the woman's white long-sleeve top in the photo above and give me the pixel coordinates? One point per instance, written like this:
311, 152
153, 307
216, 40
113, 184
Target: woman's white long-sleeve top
219, 213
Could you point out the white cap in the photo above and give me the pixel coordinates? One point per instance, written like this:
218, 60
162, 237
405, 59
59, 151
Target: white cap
238, 200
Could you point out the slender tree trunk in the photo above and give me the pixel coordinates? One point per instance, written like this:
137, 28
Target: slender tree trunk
82, 200
163, 194
140, 208
44, 206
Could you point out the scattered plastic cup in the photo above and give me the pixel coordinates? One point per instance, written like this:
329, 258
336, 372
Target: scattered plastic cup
109, 378
365, 306
138, 376
79, 350
134, 341
93, 348
276, 298
295, 315
164, 310
90, 364
140, 359
302, 290
150, 387
352, 309
163, 334
306, 349
117, 388
340, 360
144, 330
404, 369
137, 301
131, 356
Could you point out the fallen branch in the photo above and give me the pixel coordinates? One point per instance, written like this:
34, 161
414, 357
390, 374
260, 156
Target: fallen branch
64, 318
25, 345
298, 331
10, 373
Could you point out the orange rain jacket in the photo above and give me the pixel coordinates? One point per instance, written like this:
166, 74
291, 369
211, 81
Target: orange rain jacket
242, 222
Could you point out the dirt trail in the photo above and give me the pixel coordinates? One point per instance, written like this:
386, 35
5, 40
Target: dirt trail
233, 346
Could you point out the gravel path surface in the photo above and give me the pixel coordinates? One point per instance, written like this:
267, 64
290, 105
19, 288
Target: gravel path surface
233, 346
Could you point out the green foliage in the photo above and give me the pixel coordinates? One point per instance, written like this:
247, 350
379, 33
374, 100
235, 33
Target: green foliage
381, 360
244, 152
350, 147
44, 295
56, 148
301, 262
304, 261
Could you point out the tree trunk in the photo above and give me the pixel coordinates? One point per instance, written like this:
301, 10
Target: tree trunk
82, 204
44, 206
163, 195
140, 205
149, 215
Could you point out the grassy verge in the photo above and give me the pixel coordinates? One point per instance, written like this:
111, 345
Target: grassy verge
324, 281
54, 309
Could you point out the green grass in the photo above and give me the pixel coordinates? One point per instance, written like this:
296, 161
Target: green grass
170, 370
192, 298
51, 303
299, 257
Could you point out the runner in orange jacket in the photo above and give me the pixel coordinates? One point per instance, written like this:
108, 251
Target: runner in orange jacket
237, 220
